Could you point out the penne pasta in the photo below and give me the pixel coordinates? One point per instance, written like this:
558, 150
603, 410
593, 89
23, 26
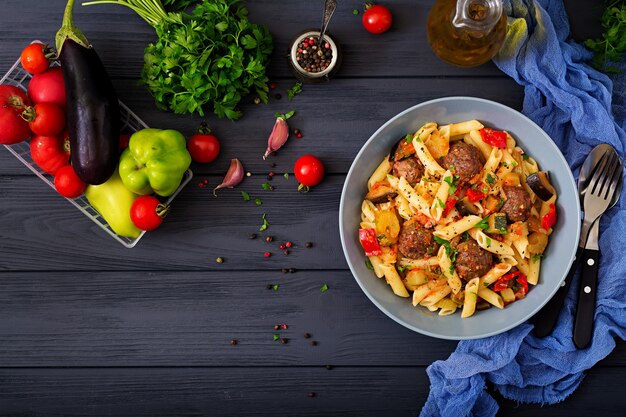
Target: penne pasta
394, 280
494, 273
534, 266
376, 264
492, 163
435, 296
430, 165
462, 128
454, 282
420, 263
489, 244
380, 173
475, 139
491, 297
418, 202
439, 202
404, 208
458, 227
446, 306
471, 296
369, 210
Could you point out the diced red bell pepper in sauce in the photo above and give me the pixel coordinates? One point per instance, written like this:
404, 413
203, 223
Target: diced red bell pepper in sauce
493, 137
370, 242
549, 219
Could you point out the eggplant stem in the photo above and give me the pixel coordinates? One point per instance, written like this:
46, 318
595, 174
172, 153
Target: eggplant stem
69, 31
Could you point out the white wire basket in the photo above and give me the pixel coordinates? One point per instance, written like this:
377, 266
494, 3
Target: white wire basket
130, 123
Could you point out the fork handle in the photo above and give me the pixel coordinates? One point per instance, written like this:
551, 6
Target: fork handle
546, 319
583, 324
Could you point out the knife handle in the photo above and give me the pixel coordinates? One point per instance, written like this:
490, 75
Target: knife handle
546, 319
583, 324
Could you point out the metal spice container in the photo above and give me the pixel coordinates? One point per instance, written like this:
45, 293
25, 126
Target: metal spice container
320, 70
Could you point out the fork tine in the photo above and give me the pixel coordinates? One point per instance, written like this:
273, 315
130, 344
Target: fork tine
599, 174
614, 180
610, 172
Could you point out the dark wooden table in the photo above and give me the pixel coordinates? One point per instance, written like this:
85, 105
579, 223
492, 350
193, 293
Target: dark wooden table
88, 327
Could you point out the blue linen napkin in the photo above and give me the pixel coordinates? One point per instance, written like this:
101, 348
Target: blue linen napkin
573, 104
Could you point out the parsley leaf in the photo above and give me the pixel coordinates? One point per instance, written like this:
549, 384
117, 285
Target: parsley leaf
403, 268
483, 224
441, 203
276, 336
451, 253
245, 195
258, 201
525, 157
324, 288
408, 138
491, 179
488, 241
266, 186
294, 91
369, 265
537, 257
611, 46
265, 224
452, 183
275, 287
286, 176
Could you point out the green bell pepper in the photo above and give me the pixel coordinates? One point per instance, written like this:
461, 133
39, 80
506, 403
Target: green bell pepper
113, 201
155, 161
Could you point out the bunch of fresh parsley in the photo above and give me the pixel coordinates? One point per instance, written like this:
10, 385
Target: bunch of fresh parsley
212, 58
612, 45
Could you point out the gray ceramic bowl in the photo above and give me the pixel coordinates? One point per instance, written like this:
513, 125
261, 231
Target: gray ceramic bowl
558, 256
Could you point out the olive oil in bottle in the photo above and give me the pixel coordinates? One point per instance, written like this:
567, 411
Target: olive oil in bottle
466, 32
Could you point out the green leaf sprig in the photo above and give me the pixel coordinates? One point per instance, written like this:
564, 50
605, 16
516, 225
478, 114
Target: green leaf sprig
612, 45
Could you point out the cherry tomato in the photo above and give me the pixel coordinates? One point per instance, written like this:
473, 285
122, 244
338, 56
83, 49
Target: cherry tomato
67, 182
48, 87
13, 129
203, 146
45, 119
34, 58
309, 171
377, 19
50, 152
147, 212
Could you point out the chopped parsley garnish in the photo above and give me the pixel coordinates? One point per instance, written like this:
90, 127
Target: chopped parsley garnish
417, 137
452, 183
537, 257
451, 253
451, 270
408, 138
441, 203
483, 224
503, 231
452, 168
525, 157
491, 179
266, 186
265, 223
258, 201
369, 265
275, 287
245, 195
276, 336
484, 190
488, 241
403, 268
286, 175
355, 12
500, 204
324, 288
294, 91
504, 164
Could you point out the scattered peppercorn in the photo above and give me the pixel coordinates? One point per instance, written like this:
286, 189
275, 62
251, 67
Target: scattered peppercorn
313, 343
311, 394
292, 270
269, 239
248, 174
308, 245
272, 188
269, 178
233, 342
253, 236
257, 100
272, 85
271, 173
329, 367
311, 58
288, 244
267, 254
307, 335
283, 326
273, 164
277, 96
219, 260
276, 327
286, 251
284, 341
284, 271
299, 135
269, 286
296, 131
282, 246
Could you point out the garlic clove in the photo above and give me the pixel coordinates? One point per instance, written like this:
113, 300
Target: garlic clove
233, 177
280, 133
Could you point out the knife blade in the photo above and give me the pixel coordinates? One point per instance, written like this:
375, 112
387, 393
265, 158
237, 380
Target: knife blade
583, 323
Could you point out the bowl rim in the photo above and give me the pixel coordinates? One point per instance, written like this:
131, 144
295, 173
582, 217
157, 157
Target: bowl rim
342, 232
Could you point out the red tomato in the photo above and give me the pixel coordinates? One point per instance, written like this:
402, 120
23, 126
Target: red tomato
48, 87
34, 58
309, 170
377, 19
370, 242
475, 195
124, 139
50, 152
203, 147
549, 219
493, 137
13, 129
45, 119
147, 212
67, 182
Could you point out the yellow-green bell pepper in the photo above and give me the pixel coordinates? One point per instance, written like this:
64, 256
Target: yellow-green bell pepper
113, 201
155, 161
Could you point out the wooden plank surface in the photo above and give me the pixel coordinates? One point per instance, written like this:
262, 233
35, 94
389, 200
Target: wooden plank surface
341, 392
90, 328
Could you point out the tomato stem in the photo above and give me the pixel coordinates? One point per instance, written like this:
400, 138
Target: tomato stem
162, 210
204, 129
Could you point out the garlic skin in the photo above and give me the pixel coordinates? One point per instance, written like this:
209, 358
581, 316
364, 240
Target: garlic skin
233, 177
280, 133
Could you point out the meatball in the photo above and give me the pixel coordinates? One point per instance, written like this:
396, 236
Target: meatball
466, 160
472, 261
415, 241
517, 205
410, 168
